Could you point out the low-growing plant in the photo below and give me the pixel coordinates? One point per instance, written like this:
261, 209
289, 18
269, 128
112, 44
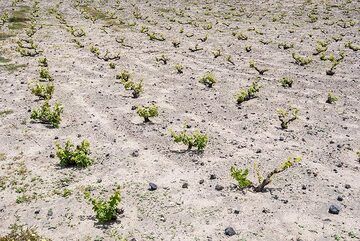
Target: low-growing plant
43, 62
331, 98
229, 59
208, 79
321, 46
22, 233
352, 46
124, 76
136, 88
147, 112
179, 68
260, 71
216, 53
156, 36
287, 116
247, 94
44, 91
286, 82
195, 139
248, 48
241, 175
162, 59
196, 48
301, 60
70, 155
45, 74
105, 211
112, 65
240, 35
285, 45
47, 115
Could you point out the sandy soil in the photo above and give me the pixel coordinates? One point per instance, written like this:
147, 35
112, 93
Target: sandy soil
131, 154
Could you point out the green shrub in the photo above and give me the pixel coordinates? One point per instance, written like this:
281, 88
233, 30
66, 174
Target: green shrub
179, 68
147, 112
286, 82
331, 98
74, 156
44, 91
241, 175
301, 60
136, 88
352, 46
44, 114
123, 76
43, 62
287, 116
247, 94
196, 139
105, 211
208, 79
45, 74
22, 233
260, 71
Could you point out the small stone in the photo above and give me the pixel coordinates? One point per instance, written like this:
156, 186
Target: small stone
56, 137
37, 211
258, 151
347, 186
218, 187
303, 187
340, 198
50, 213
237, 211
334, 209
185, 185
135, 153
229, 231
212, 176
201, 181
99, 180
152, 186
52, 155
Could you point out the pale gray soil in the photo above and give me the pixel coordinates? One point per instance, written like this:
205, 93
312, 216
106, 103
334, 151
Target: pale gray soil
97, 108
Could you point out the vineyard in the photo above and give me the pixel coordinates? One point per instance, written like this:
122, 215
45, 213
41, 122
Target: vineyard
132, 120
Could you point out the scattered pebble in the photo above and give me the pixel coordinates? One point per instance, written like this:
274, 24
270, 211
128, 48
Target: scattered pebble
229, 231
334, 209
218, 187
152, 186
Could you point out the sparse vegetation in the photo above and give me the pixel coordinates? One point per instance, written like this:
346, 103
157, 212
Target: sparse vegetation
331, 98
70, 155
287, 116
241, 175
44, 91
105, 211
301, 60
195, 139
248, 94
208, 79
47, 115
147, 112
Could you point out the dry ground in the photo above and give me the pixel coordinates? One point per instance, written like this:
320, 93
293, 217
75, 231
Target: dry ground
35, 191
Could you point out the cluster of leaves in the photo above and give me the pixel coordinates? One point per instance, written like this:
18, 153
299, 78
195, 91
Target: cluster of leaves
43, 62
321, 47
162, 59
331, 98
286, 82
22, 233
70, 155
208, 79
247, 94
47, 115
301, 60
335, 61
241, 175
156, 36
260, 71
179, 68
147, 112
27, 47
352, 46
44, 91
105, 211
287, 116
136, 88
195, 139
45, 75
106, 56
285, 45
240, 35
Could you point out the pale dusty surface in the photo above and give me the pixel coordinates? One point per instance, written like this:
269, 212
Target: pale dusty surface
97, 108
